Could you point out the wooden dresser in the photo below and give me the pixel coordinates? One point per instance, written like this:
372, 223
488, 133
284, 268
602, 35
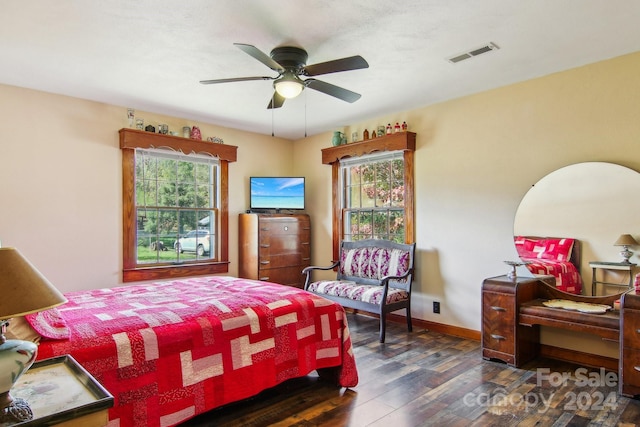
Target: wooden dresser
274, 247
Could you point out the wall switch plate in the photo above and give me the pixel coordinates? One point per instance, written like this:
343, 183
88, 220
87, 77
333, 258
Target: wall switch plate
436, 307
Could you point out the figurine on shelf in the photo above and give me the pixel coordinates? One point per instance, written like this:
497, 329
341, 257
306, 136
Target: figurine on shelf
389, 129
404, 126
396, 128
195, 133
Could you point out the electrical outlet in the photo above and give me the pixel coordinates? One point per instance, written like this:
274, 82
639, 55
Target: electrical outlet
436, 307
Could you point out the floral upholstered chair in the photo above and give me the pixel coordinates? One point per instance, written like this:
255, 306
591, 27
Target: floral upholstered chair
373, 275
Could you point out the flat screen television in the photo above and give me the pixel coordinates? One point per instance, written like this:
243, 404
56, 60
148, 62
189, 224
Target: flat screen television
277, 192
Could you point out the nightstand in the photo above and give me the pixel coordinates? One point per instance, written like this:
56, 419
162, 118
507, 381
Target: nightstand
61, 393
612, 266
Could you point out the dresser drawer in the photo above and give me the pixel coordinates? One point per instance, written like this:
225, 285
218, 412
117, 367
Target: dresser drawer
270, 227
285, 275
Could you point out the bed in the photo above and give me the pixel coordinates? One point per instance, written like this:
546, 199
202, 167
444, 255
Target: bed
168, 351
555, 256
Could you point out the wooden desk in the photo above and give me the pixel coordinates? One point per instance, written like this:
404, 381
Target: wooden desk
512, 313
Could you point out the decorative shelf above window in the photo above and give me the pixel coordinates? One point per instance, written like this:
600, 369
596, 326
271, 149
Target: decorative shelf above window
133, 138
405, 141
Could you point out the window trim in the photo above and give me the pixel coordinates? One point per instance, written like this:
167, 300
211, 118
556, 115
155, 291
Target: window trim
130, 139
401, 141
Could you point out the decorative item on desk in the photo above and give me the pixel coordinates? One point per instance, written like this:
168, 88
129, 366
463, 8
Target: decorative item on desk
163, 129
625, 240
397, 128
150, 128
514, 264
24, 291
373, 134
354, 136
195, 133
380, 130
215, 140
186, 132
140, 124
365, 135
389, 129
337, 138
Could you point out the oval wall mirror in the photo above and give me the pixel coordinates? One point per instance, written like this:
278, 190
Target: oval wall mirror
593, 202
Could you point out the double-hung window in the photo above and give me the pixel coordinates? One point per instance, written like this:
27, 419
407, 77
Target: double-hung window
373, 197
177, 199
175, 206
372, 189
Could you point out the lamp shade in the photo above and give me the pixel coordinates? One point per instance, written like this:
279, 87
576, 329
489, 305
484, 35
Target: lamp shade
625, 240
23, 289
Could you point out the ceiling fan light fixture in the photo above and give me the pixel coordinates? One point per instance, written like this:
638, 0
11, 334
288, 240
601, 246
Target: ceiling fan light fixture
288, 86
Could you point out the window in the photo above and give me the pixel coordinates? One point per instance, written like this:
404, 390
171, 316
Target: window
372, 197
175, 206
372, 189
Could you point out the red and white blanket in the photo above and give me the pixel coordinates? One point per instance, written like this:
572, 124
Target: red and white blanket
168, 351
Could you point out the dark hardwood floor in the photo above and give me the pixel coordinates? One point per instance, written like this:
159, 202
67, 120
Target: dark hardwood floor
426, 378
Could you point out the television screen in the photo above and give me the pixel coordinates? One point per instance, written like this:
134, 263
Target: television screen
277, 193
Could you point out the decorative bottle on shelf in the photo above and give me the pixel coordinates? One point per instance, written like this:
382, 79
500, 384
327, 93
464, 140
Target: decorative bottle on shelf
365, 134
337, 138
389, 129
397, 127
404, 126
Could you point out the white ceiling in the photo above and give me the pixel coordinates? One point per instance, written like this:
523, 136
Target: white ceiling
151, 54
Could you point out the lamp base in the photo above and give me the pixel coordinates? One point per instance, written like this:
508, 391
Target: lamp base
16, 357
626, 254
16, 412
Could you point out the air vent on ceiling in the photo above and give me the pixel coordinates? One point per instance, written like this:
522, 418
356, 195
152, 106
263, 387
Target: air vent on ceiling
473, 52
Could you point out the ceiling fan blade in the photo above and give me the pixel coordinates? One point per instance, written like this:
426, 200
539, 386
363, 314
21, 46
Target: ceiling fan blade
276, 102
260, 56
235, 79
333, 90
345, 64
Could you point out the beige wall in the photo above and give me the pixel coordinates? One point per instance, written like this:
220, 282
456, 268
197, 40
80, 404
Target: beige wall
476, 157
61, 198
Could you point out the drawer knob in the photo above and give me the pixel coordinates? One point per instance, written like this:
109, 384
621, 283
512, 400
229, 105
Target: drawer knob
637, 368
264, 262
637, 331
264, 245
266, 279
496, 308
497, 337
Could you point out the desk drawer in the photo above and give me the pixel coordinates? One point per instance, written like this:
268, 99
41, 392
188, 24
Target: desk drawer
498, 322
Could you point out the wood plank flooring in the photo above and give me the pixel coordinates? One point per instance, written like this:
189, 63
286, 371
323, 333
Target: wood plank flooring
426, 378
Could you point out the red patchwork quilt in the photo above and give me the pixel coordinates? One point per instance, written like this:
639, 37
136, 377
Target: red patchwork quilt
169, 351
551, 256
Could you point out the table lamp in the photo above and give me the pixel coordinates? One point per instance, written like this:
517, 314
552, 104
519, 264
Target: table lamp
24, 290
625, 240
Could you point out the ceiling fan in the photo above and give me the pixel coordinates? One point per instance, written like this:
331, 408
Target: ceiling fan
290, 64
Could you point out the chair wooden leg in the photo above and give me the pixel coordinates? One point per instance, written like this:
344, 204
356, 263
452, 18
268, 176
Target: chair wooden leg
383, 327
409, 325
